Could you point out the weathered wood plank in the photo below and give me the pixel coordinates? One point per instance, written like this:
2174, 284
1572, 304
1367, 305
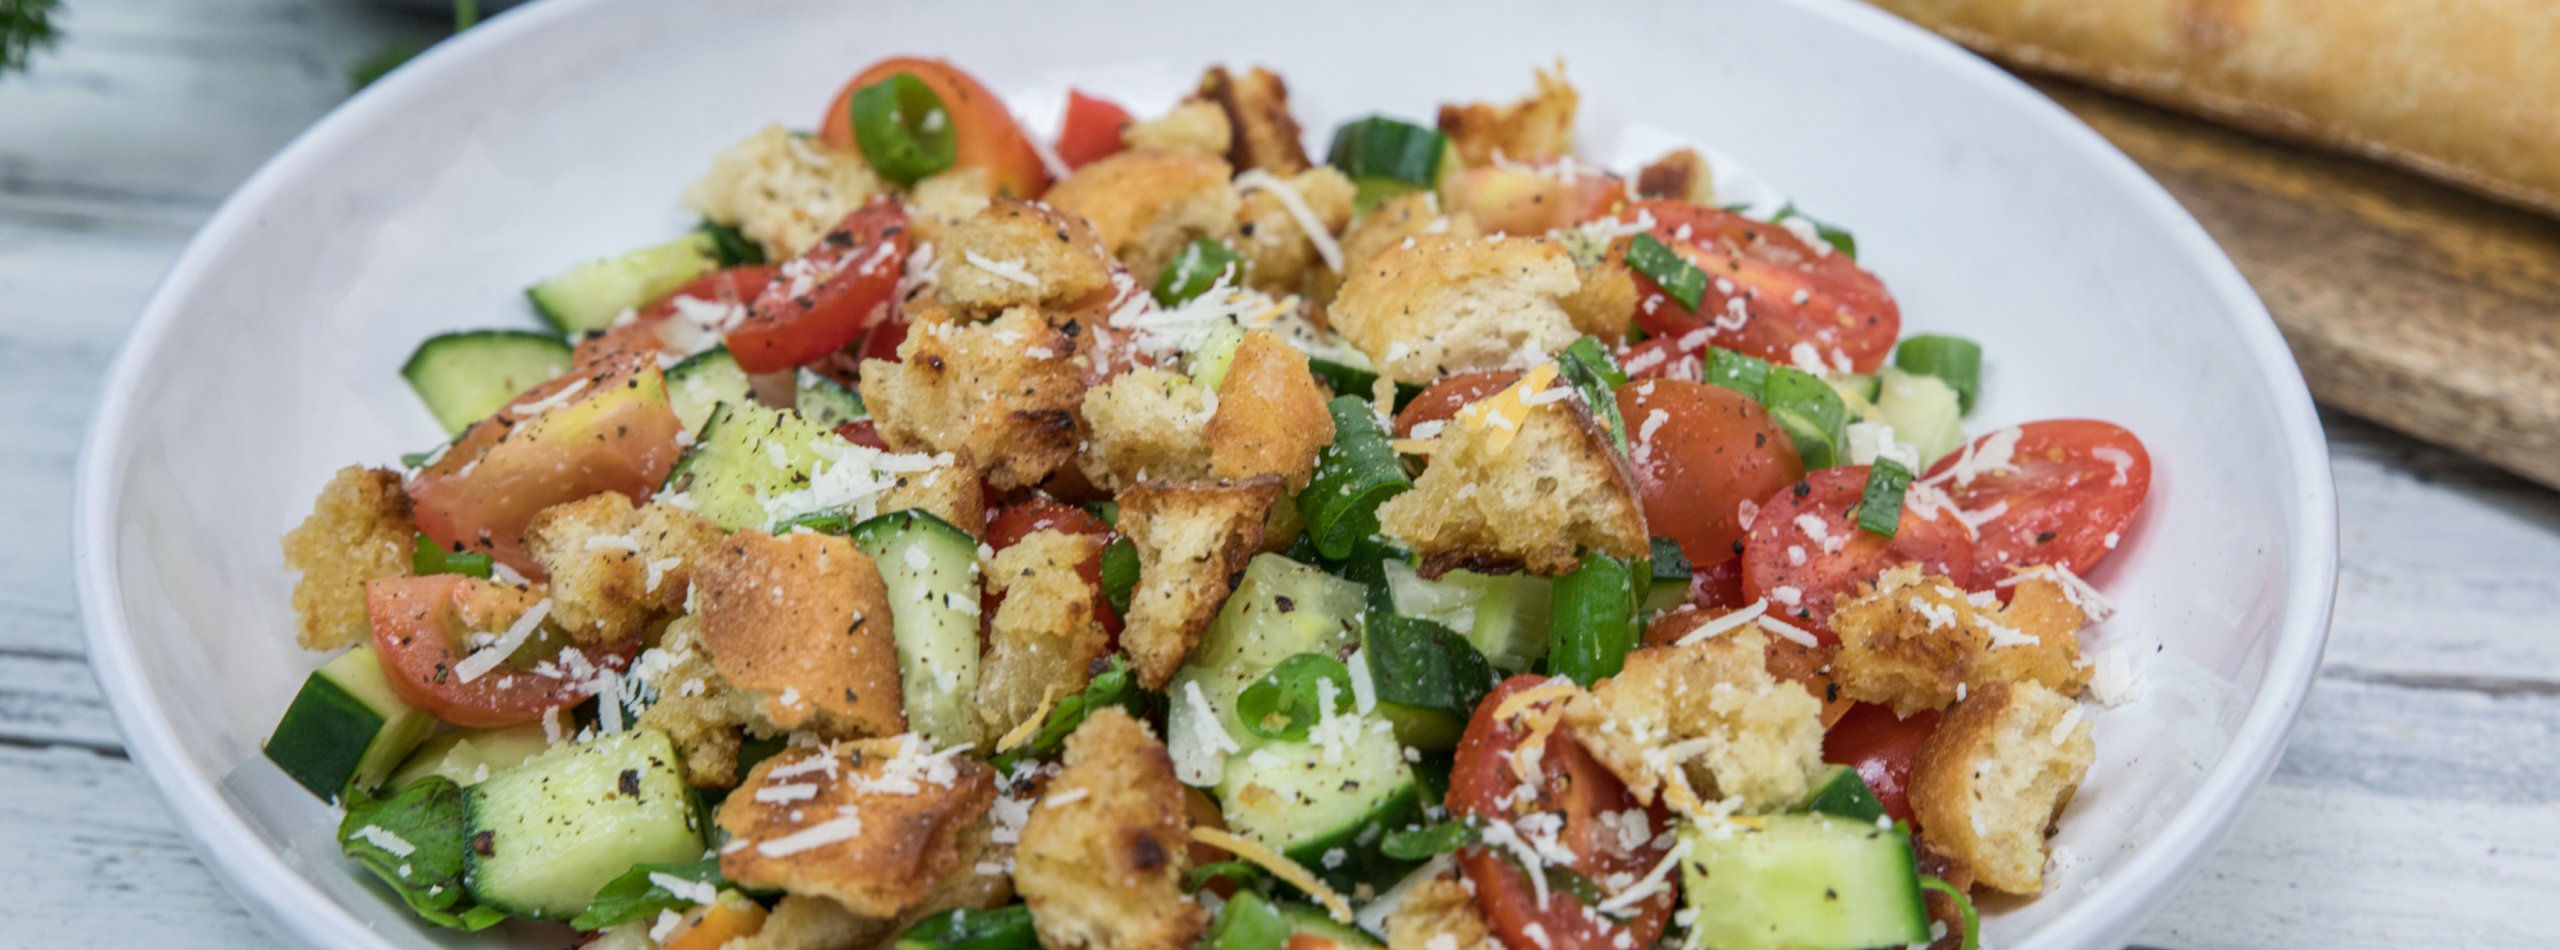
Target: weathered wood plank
91, 860
54, 701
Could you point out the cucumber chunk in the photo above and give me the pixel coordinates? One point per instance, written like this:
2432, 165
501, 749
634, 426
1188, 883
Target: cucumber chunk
1252, 633
591, 295
1807, 882
745, 455
346, 727
1326, 804
1250, 921
827, 402
1923, 410
1506, 616
466, 377
1843, 793
931, 568
547, 834
697, 386
469, 757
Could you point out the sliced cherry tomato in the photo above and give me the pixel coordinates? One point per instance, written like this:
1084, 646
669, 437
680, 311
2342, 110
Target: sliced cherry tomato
418, 627
2074, 488
1441, 401
1790, 292
1882, 747
1702, 453
614, 432
983, 131
1718, 587
1805, 544
1092, 130
1012, 522
828, 297
863, 432
1517, 199
1574, 785
1662, 358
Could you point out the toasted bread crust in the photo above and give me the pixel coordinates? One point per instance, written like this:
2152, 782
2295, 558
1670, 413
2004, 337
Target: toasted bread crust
1535, 129
1060, 252
1005, 392
360, 529
1917, 643
1557, 488
1148, 203
1102, 856
1994, 777
1257, 107
802, 622
1434, 306
1764, 737
1271, 417
1145, 425
1192, 540
912, 808
1046, 635
616, 568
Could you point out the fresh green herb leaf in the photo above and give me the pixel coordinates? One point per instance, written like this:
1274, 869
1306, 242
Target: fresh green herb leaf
1839, 238
633, 896
1668, 270
1427, 841
431, 558
414, 841
1004, 928
25, 27
1114, 687
731, 246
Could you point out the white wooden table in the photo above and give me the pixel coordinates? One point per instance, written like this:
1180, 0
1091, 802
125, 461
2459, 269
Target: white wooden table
2419, 804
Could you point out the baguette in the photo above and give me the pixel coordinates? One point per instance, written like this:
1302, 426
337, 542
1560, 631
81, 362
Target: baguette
2467, 92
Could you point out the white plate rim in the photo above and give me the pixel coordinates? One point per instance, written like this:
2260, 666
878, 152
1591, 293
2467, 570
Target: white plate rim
292, 906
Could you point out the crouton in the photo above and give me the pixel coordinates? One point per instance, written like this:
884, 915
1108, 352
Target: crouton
1192, 540
695, 707
360, 529
782, 191
947, 198
1194, 127
1679, 175
1605, 302
1148, 203
1708, 717
808, 922
1046, 635
1437, 305
1496, 497
949, 490
1271, 417
1102, 856
874, 824
616, 567
1917, 643
1995, 775
1005, 392
1439, 914
1020, 254
1803, 665
1257, 106
1145, 425
1279, 256
1536, 129
802, 622
1410, 215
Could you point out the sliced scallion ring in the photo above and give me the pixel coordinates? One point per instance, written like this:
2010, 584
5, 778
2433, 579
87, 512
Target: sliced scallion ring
1668, 270
1880, 510
1288, 701
903, 129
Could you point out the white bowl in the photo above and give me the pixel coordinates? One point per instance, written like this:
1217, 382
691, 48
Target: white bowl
566, 130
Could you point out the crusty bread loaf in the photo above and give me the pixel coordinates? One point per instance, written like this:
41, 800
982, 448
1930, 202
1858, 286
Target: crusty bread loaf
2468, 92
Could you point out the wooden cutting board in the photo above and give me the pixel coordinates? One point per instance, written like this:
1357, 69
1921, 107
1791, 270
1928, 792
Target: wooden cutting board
2407, 302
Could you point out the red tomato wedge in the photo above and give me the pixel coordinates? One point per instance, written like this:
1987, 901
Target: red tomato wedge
419, 625
646, 333
1573, 786
1700, 453
1805, 546
984, 134
603, 427
827, 298
1441, 401
1882, 747
1767, 290
2071, 488
1092, 129
1662, 358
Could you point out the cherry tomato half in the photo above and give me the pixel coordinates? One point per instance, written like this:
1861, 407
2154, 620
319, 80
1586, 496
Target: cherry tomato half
418, 624
1805, 545
1441, 401
1882, 747
1701, 453
830, 295
2074, 489
1092, 129
984, 134
1789, 292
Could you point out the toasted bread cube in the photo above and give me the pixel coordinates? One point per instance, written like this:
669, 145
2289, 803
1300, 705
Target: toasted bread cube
1439, 914
1536, 129
615, 567
949, 490
1271, 417
360, 529
874, 824
1048, 632
1279, 255
1710, 710
1192, 540
1995, 776
1148, 203
1256, 104
782, 191
1438, 306
1492, 500
695, 707
1410, 215
1195, 127
1145, 425
1918, 643
1605, 302
1017, 253
1679, 175
1102, 856
801, 622
1005, 392
946, 199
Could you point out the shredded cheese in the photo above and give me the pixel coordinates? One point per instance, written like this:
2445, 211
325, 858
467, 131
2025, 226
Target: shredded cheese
1279, 866
487, 658
1296, 205
1557, 688
1503, 413
1719, 626
1023, 731
1788, 631
846, 826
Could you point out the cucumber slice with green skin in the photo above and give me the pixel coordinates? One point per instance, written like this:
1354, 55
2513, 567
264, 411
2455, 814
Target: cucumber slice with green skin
1209, 363
827, 402
1426, 677
1856, 387
547, 834
346, 727
931, 569
1808, 882
471, 756
590, 295
466, 377
697, 386
1252, 633
1923, 411
1315, 922
1843, 793
1385, 157
1506, 616
1326, 807
745, 454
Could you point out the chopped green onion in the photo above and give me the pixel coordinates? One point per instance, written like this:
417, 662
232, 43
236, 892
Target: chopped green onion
1595, 619
1952, 359
1353, 476
1385, 157
836, 521
1420, 663
1195, 270
1004, 928
636, 894
431, 558
1239, 871
1119, 573
1288, 701
903, 129
1106, 509
1430, 841
1839, 238
731, 246
1748, 375
1964, 909
1586, 364
1812, 413
1248, 922
1668, 270
1881, 510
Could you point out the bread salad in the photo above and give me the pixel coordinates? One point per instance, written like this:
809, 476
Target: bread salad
1163, 537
